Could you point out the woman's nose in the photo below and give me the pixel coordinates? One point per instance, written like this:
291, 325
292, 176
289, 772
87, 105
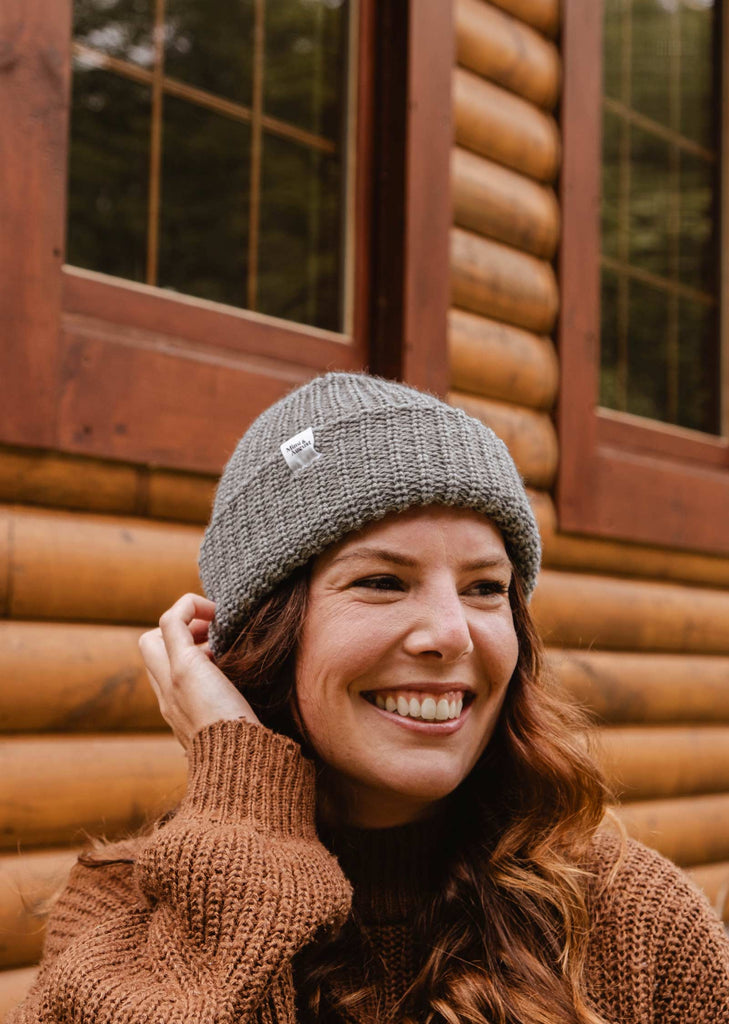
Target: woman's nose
439, 627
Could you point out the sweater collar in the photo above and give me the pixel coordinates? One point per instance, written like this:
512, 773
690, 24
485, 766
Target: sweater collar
393, 871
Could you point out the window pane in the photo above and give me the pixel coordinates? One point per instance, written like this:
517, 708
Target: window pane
698, 259
204, 204
660, 210
652, 41
304, 81
298, 256
647, 352
215, 163
698, 71
121, 28
698, 373
209, 44
108, 174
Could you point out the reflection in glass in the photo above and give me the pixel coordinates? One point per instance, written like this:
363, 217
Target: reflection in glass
299, 257
698, 71
610, 391
108, 174
204, 204
210, 45
304, 68
652, 46
119, 28
647, 352
613, 126
697, 256
698, 367
650, 201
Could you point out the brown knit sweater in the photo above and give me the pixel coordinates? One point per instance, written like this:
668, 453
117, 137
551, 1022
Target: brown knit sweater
202, 925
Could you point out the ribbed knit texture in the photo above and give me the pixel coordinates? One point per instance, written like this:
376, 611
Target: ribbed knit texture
383, 448
203, 927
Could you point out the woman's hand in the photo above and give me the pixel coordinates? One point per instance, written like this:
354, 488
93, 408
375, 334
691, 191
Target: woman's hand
192, 692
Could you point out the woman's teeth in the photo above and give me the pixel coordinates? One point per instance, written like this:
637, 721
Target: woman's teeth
429, 709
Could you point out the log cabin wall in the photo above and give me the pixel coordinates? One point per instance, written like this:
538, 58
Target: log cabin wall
91, 552
637, 633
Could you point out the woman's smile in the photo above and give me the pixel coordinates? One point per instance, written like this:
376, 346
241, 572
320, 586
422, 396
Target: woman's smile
407, 650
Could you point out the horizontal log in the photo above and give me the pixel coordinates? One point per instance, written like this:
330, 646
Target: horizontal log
689, 830
73, 678
529, 435
502, 204
28, 884
713, 880
14, 986
31, 477
649, 762
504, 127
540, 14
67, 566
569, 552
581, 610
619, 687
498, 361
54, 789
507, 51
5, 566
502, 283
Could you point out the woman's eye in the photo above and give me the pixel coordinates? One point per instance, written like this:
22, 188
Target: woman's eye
379, 583
485, 588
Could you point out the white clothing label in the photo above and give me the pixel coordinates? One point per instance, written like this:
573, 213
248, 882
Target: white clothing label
299, 451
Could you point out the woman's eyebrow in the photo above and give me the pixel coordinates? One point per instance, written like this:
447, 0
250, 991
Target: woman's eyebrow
382, 553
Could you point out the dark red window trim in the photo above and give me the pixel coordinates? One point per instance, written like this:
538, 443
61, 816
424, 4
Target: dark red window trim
619, 477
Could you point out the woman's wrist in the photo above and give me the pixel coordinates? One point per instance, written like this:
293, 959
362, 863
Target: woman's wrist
242, 772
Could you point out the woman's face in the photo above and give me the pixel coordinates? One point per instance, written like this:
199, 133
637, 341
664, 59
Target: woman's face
407, 650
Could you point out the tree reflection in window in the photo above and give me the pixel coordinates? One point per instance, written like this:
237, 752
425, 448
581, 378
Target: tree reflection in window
660, 247
208, 149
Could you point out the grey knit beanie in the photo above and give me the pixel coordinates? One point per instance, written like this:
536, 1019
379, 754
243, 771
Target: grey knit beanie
339, 452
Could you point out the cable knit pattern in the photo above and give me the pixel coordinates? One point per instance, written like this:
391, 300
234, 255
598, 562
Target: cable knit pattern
204, 925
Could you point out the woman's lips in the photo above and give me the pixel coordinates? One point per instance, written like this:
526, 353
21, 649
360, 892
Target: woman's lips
433, 711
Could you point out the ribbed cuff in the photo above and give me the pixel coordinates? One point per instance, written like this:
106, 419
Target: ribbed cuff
239, 772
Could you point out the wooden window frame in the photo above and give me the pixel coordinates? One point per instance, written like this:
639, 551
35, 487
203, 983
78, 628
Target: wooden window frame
620, 476
100, 366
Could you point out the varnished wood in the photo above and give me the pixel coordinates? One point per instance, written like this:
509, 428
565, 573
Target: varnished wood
507, 51
582, 610
503, 127
5, 560
67, 566
48, 478
650, 762
28, 882
528, 434
499, 282
567, 551
13, 987
543, 15
34, 91
54, 789
503, 204
71, 677
623, 687
714, 880
688, 830
498, 361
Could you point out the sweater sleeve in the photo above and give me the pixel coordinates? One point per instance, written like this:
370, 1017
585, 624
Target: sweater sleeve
658, 951
204, 925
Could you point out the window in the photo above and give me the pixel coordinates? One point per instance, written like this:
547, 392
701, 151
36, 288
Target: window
643, 402
208, 149
660, 203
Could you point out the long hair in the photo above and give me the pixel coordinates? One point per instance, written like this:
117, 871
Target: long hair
505, 938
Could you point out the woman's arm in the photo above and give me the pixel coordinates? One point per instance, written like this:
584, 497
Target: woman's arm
204, 925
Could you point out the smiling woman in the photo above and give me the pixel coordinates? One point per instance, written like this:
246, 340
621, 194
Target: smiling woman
389, 816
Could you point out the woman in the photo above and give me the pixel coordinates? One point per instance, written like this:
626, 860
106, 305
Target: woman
387, 816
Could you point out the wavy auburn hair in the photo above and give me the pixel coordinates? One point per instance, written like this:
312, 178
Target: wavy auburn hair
505, 939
